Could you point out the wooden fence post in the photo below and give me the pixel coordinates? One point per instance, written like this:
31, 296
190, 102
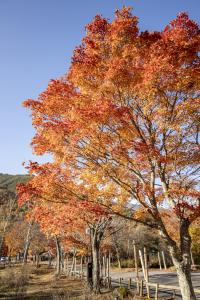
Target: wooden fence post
142, 263
109, 282
164, 262
141, 288
138, 286
120, 282
192, 258
156, 292
129, 283
135, 259
105, 269
146, 265
159, 260
146, 272
108, 267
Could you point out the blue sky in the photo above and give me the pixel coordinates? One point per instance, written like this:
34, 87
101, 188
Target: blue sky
37, 38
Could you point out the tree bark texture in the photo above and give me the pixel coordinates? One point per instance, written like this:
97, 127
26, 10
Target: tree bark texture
58, 256
182, 261
27, 243
97, 231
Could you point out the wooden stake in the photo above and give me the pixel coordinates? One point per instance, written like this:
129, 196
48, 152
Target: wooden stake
146, 272
159, 260
192, 258
174, 294
156, 292
164, 262
129, 283
135, 259
142, 263
109, 282
120, 282
108, 267
146, 264
138, 285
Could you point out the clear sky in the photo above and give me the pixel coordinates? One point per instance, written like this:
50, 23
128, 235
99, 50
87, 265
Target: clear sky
37, 38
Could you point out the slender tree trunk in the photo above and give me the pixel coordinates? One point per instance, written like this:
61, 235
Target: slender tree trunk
135, 259
6, 221
117, 252
73, 262
49, 258
192, 258
58, 256
96, 262
159, 260
27, 243
1, 245
67, 264
37, 260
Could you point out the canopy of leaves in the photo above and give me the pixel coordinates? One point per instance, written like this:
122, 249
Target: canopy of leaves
123, 124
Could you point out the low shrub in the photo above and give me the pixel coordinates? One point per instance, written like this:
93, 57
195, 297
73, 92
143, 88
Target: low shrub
122, 292
125, 263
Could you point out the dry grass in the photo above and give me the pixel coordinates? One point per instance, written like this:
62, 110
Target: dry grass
41, 284
32, 284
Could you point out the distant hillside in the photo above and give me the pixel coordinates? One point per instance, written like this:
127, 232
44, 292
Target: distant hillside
9, 182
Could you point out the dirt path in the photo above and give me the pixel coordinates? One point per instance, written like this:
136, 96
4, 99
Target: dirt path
38, 284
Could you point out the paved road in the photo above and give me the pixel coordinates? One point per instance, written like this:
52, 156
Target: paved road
161, 277
155, 276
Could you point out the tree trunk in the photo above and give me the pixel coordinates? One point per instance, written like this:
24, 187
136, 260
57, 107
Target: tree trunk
1, 245
192, 258
49, 258
72, 271
182, 262
27, 243
96, 263
117, 252
58, 256
184, 278
96, 235
66, 263
37, 260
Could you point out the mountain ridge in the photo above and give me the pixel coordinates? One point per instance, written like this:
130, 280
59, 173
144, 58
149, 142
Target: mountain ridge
8, 182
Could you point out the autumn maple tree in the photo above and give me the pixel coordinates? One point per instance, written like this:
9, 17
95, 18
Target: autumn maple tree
65, 207
126, 118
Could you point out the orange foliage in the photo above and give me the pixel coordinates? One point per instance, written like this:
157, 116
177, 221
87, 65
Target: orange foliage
123, 124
